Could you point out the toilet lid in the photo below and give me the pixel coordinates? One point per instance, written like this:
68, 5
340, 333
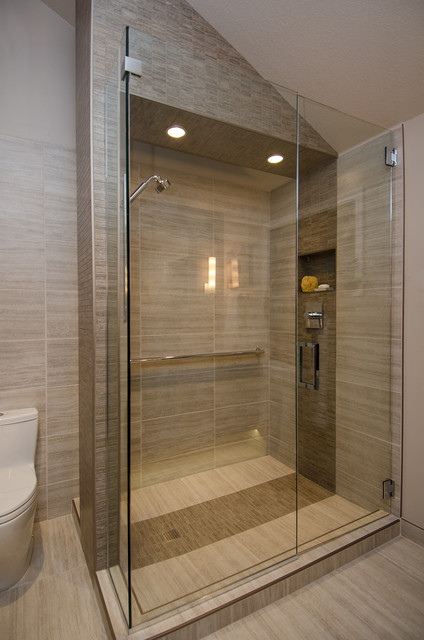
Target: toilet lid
17, 486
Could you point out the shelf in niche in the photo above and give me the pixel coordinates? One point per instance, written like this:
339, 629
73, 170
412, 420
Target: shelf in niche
322, 265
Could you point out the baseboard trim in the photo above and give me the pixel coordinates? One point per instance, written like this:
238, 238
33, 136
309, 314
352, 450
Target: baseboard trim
412, 531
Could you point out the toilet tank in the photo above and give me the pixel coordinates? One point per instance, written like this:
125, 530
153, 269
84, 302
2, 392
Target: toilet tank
18, 437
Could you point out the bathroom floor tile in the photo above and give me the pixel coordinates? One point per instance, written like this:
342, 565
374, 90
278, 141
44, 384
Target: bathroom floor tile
54, 600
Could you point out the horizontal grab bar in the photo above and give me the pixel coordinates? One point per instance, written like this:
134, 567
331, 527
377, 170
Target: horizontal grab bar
222, 354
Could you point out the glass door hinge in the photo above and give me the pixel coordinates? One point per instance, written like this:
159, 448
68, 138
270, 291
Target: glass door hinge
390, 156
131, 65
388, 488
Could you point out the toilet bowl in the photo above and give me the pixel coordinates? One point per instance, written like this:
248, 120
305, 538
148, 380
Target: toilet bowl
18, 492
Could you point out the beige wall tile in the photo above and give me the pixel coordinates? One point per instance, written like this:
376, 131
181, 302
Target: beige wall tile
177, 435
184, 229
177, 393
364, 409
62, 457
363, 457
364, 361
61, 262
21, 239
60, 171
41, 461
62, 363
22, 315
235, 452
364, 312
242, 204
241, 422
59, 497
62, 410
161, 313
22, 364
244, 384
21, 161
178, 467
60, 218
62, 314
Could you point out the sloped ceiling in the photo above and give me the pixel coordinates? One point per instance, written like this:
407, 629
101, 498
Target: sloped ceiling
363, 57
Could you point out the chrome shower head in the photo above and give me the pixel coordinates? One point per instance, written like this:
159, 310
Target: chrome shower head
161, 185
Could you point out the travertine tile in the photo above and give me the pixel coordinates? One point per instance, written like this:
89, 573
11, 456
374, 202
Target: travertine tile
62, 407
21, 240
60, 218
241, 422
364, 313
167, 437
177, 467
181, 392
59, 171
60, 496
21, 163
244, 384
246, 449
23, 364
62, 457
364, 361
364, 408
62, 314
22, 314
61, 265
62, 362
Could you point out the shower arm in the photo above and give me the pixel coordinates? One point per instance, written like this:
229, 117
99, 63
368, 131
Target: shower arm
143, 186
160, 186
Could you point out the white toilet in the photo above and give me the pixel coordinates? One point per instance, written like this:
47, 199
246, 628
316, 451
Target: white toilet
18, 492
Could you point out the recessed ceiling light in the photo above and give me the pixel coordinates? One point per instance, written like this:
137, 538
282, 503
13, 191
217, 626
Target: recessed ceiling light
275, 159
176, 131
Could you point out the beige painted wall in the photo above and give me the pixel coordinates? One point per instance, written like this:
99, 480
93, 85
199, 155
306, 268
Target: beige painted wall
37, 70
413, 467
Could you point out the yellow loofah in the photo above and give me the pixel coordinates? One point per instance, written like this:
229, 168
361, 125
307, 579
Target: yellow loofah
309, 283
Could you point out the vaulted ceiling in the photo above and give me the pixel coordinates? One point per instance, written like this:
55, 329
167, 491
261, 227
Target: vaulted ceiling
363, 57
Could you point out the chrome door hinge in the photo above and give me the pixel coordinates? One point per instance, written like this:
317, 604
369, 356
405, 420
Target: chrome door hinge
390, 157
388, 488
131, 65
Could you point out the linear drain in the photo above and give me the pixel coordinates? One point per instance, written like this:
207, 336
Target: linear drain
172, 534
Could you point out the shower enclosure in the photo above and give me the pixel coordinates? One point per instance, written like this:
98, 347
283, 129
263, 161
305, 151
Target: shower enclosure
249, 416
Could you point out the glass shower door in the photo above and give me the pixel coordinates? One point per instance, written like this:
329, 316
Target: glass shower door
344, 293
117, 215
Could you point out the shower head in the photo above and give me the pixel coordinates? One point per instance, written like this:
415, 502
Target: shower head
161, 185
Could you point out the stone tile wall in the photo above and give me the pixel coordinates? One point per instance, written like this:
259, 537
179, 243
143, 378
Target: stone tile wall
39, 307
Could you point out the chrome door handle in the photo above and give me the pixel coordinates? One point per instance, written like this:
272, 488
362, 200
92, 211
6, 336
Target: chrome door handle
313, 383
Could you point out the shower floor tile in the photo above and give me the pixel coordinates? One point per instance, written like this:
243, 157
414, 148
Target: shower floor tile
175, 562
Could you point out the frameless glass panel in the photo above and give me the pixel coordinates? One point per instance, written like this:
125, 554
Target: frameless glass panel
212, 266
343, 323
117, 332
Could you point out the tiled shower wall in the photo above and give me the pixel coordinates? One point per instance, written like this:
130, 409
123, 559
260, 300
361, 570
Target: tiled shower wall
282, 327
193, 415
39, 307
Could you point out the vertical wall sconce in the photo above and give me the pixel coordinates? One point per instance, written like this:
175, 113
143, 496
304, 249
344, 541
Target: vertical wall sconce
232, 273
209, 287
